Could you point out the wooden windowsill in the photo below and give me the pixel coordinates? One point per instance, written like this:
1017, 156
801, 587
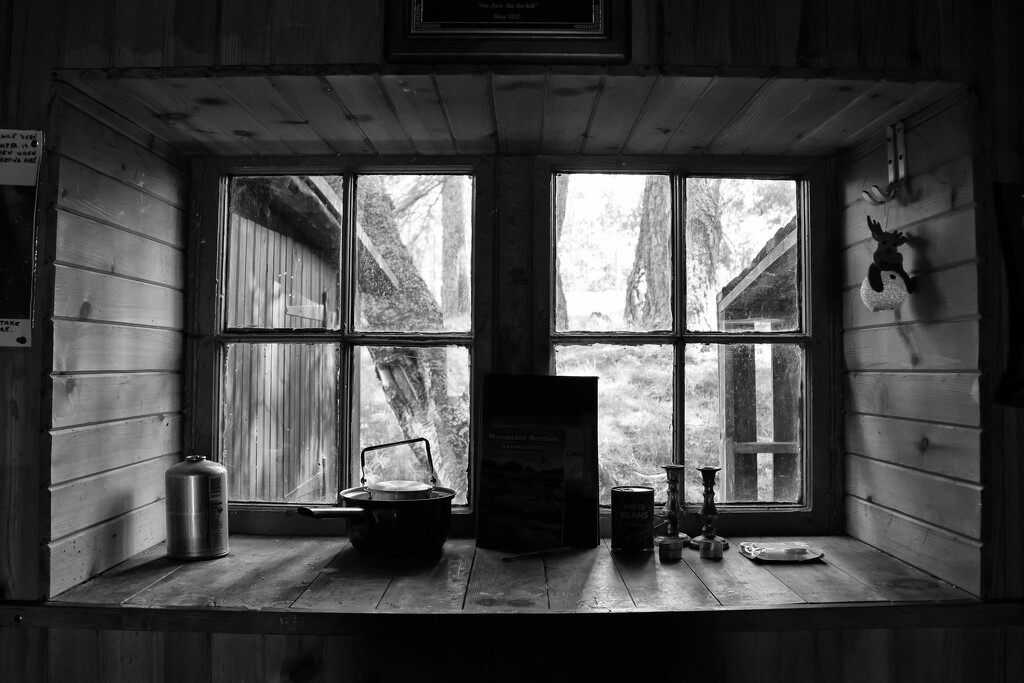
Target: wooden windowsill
296, 577
321, 586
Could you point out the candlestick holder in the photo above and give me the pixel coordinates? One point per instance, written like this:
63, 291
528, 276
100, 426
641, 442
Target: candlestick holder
708, 511
673, 512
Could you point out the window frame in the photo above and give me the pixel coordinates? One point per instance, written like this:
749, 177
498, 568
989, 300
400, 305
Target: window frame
821, 511
205, 310
513, 204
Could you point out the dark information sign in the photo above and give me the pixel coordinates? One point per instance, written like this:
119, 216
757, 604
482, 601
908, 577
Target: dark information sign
20, 151
507, 31
551, 17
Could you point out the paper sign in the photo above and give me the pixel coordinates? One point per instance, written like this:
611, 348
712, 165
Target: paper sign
19, 156
20, 153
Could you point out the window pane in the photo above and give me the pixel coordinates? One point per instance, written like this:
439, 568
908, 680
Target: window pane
742, 412
634, 410
409, 392
741, 255
613, 253
413, 253
283, 238
278, 416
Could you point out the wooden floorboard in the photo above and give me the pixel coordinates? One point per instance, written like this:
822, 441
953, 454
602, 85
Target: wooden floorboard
351, 582
428, 584
893, 579
654, 585
817, 580
499, 586
736, 581
327, 575
585, 580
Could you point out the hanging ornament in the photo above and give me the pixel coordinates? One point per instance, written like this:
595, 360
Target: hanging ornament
892, 296
887, 284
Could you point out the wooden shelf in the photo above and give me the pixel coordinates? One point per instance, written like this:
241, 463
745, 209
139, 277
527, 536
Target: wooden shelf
277, 608
306, 576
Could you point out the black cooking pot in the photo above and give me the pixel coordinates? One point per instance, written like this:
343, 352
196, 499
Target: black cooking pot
395, 517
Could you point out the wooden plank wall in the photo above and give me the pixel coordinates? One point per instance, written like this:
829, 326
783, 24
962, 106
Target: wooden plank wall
940, 654
849, 37
6, 31
115, 386
908, 36
913, 409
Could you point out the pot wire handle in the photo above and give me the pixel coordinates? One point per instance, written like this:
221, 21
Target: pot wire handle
362, 458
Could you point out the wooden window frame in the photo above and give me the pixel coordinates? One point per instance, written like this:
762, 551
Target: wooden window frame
207, 334
502, 220
820, 511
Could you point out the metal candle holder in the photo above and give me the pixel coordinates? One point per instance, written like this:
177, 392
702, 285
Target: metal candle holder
673, 510
708, 511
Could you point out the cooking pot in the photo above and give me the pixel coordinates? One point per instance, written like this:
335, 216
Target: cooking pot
393, 517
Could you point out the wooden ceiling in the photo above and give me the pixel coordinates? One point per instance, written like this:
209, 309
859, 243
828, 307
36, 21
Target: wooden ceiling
489, 112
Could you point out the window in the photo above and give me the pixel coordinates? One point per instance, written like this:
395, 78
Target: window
338, 304
341, 318
688, 294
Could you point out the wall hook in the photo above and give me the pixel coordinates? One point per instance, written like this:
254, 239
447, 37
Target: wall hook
897, 162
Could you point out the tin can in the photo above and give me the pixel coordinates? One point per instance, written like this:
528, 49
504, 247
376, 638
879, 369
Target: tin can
197, 509
633, 519
711, 549
670, 548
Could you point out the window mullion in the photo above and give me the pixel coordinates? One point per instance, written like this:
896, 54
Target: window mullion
347, 388
679, 317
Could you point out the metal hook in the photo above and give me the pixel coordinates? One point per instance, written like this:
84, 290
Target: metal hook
897, 163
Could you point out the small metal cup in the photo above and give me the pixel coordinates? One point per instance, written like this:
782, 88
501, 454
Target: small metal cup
671, 549
711, 549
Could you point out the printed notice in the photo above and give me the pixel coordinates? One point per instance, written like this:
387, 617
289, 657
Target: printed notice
19, 156
20, 153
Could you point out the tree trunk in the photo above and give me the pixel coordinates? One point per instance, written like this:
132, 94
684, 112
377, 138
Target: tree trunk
649, 286
454, 268
561, 310
703, 250
414, 379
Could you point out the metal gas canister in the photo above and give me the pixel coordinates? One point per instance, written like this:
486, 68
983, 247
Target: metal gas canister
197, 509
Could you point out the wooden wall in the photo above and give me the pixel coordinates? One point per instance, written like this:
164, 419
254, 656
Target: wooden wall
907, 36
913, 377
866, 39
115, 385
493, 650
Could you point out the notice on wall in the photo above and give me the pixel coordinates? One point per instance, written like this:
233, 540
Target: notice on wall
20, 154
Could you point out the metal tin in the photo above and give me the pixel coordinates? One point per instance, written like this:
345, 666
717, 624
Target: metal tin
711, 549
197, 509
671, 548
633, 519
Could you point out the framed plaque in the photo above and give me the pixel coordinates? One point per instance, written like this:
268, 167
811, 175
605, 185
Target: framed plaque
507, 31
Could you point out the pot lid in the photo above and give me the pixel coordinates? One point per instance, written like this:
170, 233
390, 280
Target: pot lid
399, 486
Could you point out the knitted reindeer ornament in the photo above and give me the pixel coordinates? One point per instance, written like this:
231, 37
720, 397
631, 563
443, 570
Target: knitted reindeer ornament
887, 284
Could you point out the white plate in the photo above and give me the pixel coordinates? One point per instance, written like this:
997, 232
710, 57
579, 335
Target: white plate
793, 551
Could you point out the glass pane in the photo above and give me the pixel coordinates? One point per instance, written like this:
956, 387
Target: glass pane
634, 410
742, 410
741, 255
409, 392
283, 240
613, 253
278, 415
413, 265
